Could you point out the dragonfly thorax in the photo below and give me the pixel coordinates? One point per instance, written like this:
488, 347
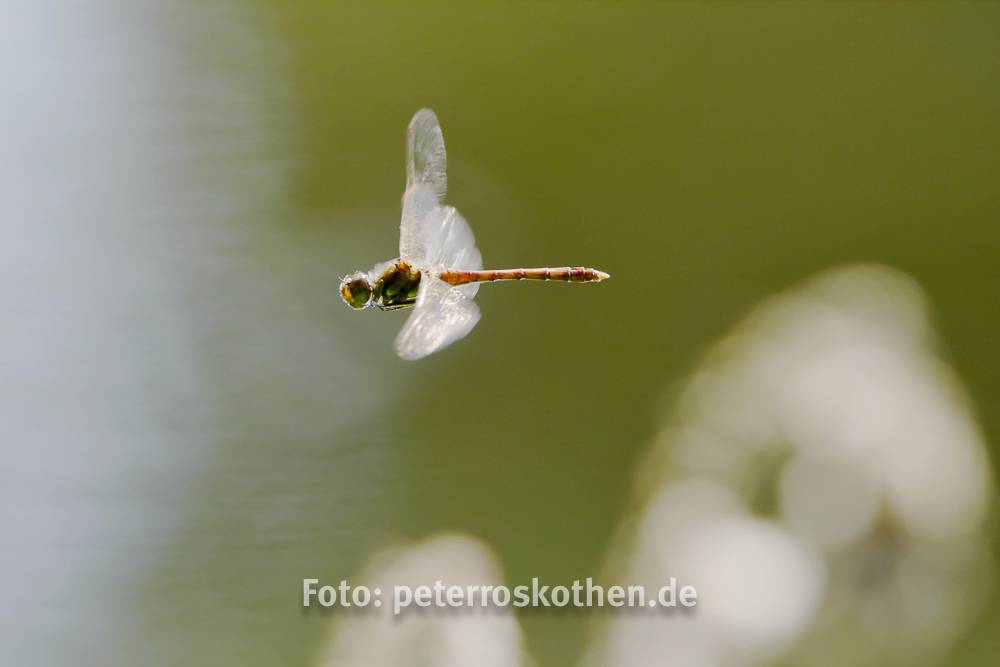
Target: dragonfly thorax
396, 286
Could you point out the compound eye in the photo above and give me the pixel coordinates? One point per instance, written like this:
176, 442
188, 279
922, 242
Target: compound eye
356, 291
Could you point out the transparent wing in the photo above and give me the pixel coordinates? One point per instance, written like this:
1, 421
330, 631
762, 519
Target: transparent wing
432, 236
435, 237
426, 161
449, 241
443, 315
418, 202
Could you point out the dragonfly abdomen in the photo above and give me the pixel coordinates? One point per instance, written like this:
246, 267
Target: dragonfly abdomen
569, 274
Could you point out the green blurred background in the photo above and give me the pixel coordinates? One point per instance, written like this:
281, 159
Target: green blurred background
707, 155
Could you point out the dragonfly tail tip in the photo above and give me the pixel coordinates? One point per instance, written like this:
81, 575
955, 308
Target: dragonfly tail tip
601, 275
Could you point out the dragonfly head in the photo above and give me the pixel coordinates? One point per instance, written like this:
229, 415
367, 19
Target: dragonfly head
356, 290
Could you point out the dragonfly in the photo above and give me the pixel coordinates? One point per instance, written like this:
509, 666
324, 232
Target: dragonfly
439, 268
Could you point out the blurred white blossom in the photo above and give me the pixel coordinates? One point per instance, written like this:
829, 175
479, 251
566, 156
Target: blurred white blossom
822, 484
438, 638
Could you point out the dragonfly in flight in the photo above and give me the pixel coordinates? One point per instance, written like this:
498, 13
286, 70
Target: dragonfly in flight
439, 268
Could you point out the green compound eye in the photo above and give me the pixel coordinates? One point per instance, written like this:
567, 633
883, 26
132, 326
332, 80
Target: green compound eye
356, 291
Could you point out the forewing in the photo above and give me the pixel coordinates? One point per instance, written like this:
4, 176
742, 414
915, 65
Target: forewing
436, 238
426, 161
443, 314
418, 202
431, 235
449, 241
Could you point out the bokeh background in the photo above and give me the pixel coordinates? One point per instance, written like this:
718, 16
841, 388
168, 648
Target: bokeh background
192, 422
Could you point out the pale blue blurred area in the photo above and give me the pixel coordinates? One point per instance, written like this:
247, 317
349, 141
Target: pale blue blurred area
192, 422
143, 178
